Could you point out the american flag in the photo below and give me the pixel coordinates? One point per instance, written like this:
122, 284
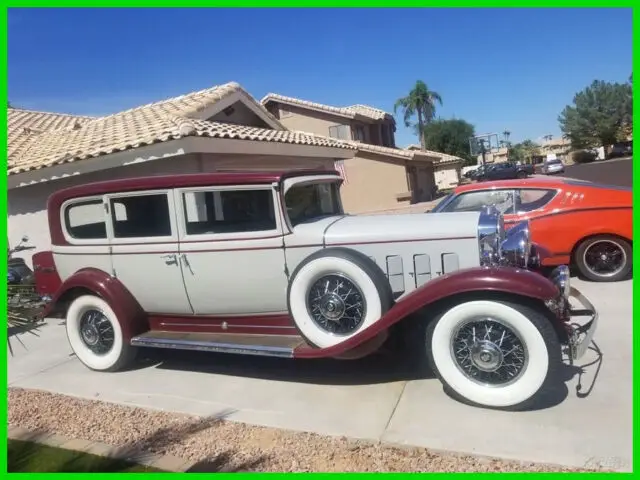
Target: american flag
339, 166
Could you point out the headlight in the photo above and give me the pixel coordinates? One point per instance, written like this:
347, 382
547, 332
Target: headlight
515, 249
490, 235
562, 279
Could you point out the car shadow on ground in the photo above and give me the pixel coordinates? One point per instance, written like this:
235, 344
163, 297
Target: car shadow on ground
377, 369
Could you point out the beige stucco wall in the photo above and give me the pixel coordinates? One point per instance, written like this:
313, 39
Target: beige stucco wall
446, 176
27, 205
311, 121
373, 184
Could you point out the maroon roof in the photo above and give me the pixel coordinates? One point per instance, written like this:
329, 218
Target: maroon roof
177, 181
153, 182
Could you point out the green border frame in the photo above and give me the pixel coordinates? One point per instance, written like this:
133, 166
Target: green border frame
306, 4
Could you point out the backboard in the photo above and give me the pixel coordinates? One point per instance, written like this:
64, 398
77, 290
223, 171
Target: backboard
489, 140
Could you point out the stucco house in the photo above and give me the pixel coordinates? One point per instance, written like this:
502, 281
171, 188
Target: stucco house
380, 176
447, 171
219, 128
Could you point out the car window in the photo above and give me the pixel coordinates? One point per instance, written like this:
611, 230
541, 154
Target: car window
86, 220
140, 216
307, 202
228, 211
475, 201
529, 199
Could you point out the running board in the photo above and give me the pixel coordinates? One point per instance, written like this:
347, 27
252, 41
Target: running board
244, 344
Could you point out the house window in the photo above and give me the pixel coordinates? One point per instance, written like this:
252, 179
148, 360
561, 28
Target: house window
141, 216
358, 133
339, 131
86, 220
228, 211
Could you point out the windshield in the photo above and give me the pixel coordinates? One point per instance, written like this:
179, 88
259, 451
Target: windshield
441, 203
311, 201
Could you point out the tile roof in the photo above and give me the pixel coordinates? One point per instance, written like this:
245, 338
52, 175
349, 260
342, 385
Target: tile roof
69, 138
352, 111
397, 152
24, 125
444, 157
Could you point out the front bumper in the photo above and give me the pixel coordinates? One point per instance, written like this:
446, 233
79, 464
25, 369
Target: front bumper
580, 334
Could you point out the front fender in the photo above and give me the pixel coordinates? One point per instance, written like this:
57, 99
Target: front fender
507, 280
131, 316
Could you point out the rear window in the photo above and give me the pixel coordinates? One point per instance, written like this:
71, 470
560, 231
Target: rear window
85, 220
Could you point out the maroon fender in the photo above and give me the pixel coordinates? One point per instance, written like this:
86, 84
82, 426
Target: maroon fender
132, 318
509, 280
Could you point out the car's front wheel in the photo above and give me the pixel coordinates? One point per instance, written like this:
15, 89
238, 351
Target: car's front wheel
496, 354
95, 335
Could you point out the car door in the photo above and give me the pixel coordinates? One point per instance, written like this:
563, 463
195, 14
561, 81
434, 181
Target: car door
143, 237
231, 249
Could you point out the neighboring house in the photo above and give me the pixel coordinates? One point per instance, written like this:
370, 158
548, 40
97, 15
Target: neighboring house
560, 147
217, 129
380, 176
447, 171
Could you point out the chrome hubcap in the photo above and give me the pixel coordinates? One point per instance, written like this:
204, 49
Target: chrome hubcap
605, 258
488, 352
336, 305
97, 332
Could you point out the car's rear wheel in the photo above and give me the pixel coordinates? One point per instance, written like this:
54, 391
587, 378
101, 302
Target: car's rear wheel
521, 174
95, 335
604, 258
336, 293
493, 353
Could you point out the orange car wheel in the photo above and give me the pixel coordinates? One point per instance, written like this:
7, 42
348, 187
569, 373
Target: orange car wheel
604, 258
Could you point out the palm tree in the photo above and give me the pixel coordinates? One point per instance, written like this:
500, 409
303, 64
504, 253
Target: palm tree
506, 134
420, 102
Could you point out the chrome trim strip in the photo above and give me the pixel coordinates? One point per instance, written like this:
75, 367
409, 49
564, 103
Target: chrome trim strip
174, 324
177, 344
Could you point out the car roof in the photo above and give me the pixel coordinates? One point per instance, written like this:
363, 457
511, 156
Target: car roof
531, 182
154, 182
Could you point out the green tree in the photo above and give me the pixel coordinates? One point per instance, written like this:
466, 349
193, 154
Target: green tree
598, 115
449, 136
420, 103
524, 151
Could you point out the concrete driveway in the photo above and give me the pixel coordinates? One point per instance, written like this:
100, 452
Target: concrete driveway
372, 398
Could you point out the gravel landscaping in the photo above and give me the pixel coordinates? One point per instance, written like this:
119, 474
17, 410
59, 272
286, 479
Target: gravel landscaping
220, 445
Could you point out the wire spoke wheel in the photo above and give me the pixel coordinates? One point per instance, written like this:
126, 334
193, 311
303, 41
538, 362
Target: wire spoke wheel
336, 305
97, 332
605, 258
488, 352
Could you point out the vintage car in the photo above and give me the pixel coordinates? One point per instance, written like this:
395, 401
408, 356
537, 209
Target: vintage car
268, 264
579, 223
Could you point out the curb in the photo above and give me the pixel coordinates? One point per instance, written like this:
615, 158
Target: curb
162, 462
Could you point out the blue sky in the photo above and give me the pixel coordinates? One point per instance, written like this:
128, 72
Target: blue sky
499, 69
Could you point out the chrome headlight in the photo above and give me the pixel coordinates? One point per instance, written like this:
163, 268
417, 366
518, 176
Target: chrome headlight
561, 278
490, 235
515, 249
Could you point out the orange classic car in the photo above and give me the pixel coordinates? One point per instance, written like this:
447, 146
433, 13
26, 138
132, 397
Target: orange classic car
586, 224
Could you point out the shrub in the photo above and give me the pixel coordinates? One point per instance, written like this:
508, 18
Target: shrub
583, 156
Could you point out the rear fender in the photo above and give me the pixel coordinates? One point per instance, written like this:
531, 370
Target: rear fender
91, 281
500, 280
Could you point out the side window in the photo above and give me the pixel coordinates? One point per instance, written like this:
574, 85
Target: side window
531, 199
140, 216
475, 201
86, 220
228, 211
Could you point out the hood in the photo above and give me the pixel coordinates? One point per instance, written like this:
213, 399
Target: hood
402, 228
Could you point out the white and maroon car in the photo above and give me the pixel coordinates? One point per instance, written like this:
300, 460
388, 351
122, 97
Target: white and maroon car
268, 264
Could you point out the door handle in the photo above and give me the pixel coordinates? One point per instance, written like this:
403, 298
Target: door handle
185, 260
170, 259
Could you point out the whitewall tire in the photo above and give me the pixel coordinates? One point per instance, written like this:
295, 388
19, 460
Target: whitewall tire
493, 353
95, 335
336, 293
